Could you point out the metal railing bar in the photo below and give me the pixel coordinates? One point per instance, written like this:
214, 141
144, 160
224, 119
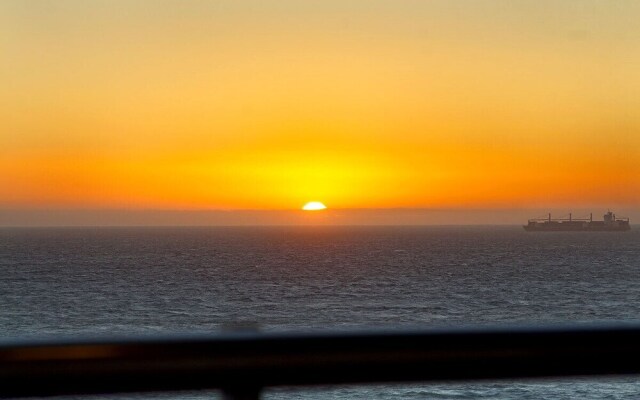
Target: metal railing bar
242, 364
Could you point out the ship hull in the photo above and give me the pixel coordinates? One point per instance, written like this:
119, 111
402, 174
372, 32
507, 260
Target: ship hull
542, 228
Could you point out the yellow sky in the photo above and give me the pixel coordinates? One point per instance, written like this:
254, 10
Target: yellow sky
363, 104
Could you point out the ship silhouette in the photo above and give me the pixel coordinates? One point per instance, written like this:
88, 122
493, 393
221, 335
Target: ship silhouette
609, 223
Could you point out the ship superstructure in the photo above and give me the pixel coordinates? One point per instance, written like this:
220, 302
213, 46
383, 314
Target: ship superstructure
609, 223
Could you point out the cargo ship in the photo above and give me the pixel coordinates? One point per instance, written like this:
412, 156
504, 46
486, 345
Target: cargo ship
609, 223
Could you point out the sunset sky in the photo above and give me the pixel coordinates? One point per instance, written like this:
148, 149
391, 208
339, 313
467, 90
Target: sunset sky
252, 105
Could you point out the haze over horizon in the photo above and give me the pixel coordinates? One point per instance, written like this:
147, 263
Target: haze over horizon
397, 216
180, 110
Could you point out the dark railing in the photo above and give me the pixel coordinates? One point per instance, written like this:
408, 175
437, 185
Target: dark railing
241, 364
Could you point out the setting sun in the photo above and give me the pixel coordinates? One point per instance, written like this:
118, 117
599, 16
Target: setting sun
314, 206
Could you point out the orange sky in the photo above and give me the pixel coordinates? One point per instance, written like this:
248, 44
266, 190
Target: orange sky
370, 104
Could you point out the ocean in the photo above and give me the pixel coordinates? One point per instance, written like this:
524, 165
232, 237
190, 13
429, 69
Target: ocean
99, 281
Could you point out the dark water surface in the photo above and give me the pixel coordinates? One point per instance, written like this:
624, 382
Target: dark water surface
150, 280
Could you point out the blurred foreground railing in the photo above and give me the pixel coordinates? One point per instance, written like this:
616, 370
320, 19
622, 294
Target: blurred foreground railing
244, 363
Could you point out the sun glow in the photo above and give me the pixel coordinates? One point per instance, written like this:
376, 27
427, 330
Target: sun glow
314, 206
256, 111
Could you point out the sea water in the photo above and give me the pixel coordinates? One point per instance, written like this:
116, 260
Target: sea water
97, 281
